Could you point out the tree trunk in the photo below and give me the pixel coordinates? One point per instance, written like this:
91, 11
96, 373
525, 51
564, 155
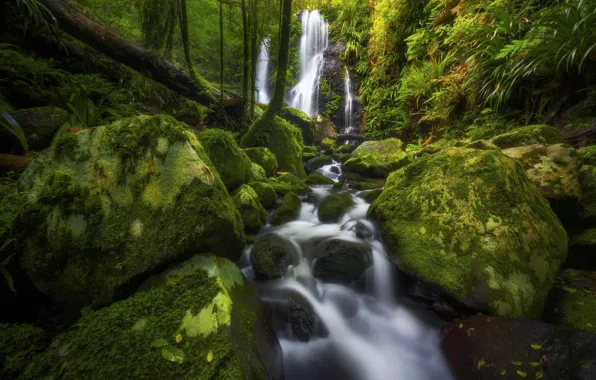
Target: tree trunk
10, 162
245, 60
185, 39
173, 21
221, 52
254, 57
277, 101
121, 50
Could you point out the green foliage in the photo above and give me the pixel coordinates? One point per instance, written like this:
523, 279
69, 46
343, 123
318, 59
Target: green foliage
35, 14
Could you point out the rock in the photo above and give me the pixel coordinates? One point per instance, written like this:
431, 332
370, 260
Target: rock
200, 319
587, 205
263, 157
362, 231
317, 163
302, 121
471, 222
370, 195
302, 321
288, 211
318, 179
482, 145
308, 156
346, 148
552, 168
334, 169
369, 184
266, 193
350, 177
18, 345
109, 205
587, 155
338, 185
582, 250
483, 347
247, 203
328, 144
286, 183
324, 129
378, 158
282, 138
271, 256
572, 302
40, 124
334, 206
232, 164
257, 173
528, 135
342, 261
310, 149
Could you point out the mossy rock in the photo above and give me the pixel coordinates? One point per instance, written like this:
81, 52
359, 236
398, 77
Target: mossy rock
324, 129
266, 193
247, 203
19, 343
342, 261
482, 145
587, 204
572, 301
370, 195
200, 320
318, 179
308, 156
370, 184
471, 222
317, 163
310, 149
257, 173
288, 211
282, 138
334, 206
528, 135
328, 144
350, 177
587, 155
108, 205
378, 158
285, 183
263, 157
232, 163
582, 250
346, 148
302, 121
270, 256
552, 168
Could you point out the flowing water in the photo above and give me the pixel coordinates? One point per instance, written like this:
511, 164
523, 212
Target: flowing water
262, 94
314, 41
348, 114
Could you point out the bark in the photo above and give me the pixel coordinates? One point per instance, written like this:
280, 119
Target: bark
277, 101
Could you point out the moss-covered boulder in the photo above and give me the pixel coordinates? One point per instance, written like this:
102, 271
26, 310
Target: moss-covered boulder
40, 124
587, 204
270, 256
346, 148
282, 138
263, 157
552, 168
318, 179
582, 250
302, 121
310, 149
232, 164
324, 128
285, 183
247, 202
528, 135
587, 155
288, 211
328, 144
257, 173
572, 301
317, 163
110, 204
370, 184
334, 206
200, 320
342, 261
266, 193
471, 222
378, 158
370, 195
18, 345
306, 156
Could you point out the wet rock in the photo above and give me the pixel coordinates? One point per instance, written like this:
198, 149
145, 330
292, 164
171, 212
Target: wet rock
483, 347
316, 163
369, 184
342, 261
40, 124
318, 179
302, 322
362, 230
288, 211
270, 256
303, 122
378, 158
19, 344
334, 169
266, 193
350, 177
346, 148
334, 206
308, 156
285, 183
247, 203
324, 129
370, 195
264, 157
529, 135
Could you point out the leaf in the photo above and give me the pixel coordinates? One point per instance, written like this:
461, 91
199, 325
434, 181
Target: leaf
534, 364
536, 346
521, 373
480, 363
172, 354
161, 342
516, 363
539, 375
209, 357
503, 372
179, 338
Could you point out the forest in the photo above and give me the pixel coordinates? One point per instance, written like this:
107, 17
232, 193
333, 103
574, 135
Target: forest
298, 189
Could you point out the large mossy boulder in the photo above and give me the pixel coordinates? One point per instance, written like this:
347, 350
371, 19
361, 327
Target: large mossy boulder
302, 121
263, 157
257, 173
334, 206
342, 261
200, 320
271, 256
247, 202
528, 135
288, 211
318, 179
232, 163
471, 222
266, 193
378, 158
19, 344
285, 183
282, 138
108, 205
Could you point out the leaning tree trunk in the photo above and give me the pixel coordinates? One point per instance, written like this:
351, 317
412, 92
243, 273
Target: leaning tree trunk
186, 39
245, 60
253, 75
277, 101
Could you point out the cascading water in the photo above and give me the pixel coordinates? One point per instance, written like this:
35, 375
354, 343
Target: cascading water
348, 118
314, 40
262, 94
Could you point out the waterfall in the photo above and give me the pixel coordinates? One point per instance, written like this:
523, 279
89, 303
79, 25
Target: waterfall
262, 70
349, 123
314, 40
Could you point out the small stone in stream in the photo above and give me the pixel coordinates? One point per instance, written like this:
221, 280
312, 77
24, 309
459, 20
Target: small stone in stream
302, 322
316, 163
362, 231
270, 257
318, 179
342, 261
338, 185
370, 195
288, 211
348, 176
334, 169
333, 207
445, 310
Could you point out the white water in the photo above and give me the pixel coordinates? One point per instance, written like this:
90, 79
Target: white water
348, 118
372, 333
262, 94
314, 40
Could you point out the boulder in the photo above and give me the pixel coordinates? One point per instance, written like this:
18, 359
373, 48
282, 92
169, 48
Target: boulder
370, 195
109, 205
288, 211
528, 135
334, 206
19, 344
471, 222
271, 256
302, 121
342, 261
247, 203
572, 302
324, 129
282, 138
257, 173
200, 320
285, 183
310, 149
316, 163
266, 193
587, 155
232, 164
263, 157
483, 347
587, 205
40, 124
328, 144
378, 158
308, 156
582, 250
370, 184
318, 179
346, 148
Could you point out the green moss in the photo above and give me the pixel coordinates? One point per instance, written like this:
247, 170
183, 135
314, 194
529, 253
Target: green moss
302, 121
324, 87
18, 345
232, 164
318, 179
317, 163
263, 157
346, 148
270, 256
328, 143
369, 185
531, 134
378, 158
471, 222
332, 107
257, 173
371, 195
247, 202
587, 155
288, 211
587, 204
308, 156
310, 149
266, 193
334, 206
286, 183
283, 140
